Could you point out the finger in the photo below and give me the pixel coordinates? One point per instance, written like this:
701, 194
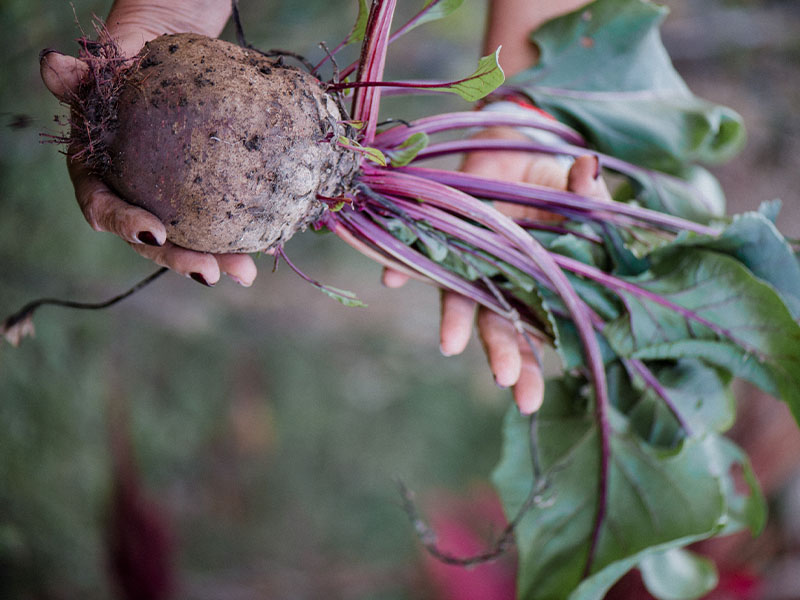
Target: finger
239, 267
499, 339
546, 170
201, 267
495, 164
584, 178
60, 73
529, 389
458, 313
105, 211
393, 279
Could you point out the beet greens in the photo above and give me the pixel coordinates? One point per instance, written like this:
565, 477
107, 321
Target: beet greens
654, 301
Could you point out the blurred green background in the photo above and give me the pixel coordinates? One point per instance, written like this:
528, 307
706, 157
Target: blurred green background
268, 423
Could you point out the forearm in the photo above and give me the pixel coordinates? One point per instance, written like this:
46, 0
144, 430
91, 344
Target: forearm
134, 22
510, 23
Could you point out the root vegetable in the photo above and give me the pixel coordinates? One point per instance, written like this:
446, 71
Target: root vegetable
227, 147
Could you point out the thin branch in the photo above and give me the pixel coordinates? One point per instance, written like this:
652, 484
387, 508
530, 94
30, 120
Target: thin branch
21, 321
501, 545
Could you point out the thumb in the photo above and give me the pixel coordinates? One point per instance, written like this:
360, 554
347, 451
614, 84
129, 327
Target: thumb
584, 178
61, 73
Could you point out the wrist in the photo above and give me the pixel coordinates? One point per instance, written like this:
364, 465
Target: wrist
131, 23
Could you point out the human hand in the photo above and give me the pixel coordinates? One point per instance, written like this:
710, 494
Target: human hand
510, 357
131, 23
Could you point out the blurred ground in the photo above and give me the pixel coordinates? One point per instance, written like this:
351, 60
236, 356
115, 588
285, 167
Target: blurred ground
268, 423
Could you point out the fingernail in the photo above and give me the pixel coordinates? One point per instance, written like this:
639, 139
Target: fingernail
239, 281
147, 238
444, 352
596, 167
198, 277
500, 385
47, 51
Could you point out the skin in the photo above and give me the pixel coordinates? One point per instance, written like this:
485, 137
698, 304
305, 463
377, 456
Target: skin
133, 22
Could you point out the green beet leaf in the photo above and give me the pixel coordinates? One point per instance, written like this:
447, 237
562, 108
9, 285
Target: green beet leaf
754, 240
696, 196
678, 574
408, 150
604, 70
360, 26
486, 79
732, 320
699, 392
654, 500
433, 10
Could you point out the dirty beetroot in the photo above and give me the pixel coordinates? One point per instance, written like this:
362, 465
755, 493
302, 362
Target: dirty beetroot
227, 147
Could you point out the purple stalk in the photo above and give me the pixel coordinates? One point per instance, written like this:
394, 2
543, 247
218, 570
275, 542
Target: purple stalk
404, 184
490, 243
366, 100
402, 31
554, 200
650, 379
464, 120
481, 238
472, 234
366, 229
616, 284
610, 162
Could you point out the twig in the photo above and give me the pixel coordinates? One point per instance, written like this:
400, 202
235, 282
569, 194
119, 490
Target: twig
21, 322
428, 537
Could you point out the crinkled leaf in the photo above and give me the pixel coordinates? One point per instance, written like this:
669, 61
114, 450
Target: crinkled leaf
654, 499
754, 241
696, 196
699, 392
604, 70
756, 337
435, 246
623, 252
770, 209
677, 574
408, 150
486, 79
360, 26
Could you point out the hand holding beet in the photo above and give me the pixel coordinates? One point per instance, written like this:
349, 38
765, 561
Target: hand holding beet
131, 23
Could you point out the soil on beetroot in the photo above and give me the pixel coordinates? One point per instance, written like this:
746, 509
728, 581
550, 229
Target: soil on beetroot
227, 147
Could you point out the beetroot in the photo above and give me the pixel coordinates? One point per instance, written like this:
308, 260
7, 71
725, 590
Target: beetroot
227, 147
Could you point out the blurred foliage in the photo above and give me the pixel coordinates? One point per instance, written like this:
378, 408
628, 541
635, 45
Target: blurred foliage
268, 424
